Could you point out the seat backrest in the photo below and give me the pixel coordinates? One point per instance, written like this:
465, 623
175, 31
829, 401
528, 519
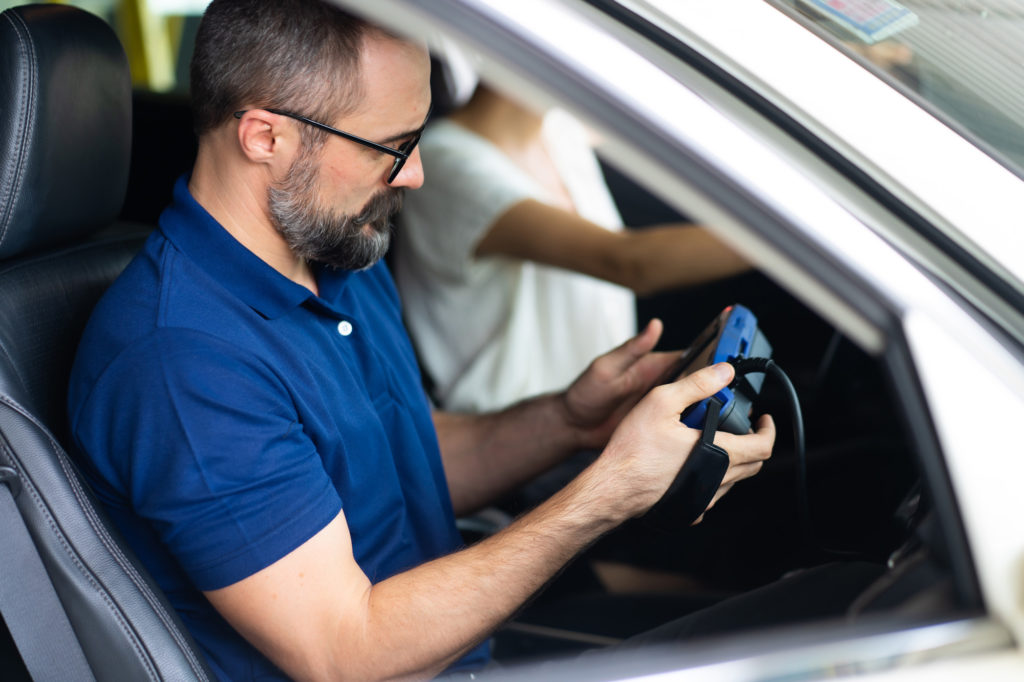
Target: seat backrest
65, 135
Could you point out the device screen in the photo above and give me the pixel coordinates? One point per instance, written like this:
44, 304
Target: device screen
699, 353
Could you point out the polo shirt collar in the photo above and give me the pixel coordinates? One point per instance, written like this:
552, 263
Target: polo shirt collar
205, 241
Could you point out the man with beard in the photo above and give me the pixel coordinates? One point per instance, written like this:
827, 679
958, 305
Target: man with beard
247, 404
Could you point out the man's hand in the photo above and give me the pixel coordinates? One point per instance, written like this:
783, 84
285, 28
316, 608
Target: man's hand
486, 455
649, 447
745, 462
597, 401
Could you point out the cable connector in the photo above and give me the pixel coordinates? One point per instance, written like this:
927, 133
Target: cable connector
746, 366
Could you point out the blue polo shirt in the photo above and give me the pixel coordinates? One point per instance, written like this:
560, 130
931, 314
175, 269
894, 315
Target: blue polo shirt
225, 415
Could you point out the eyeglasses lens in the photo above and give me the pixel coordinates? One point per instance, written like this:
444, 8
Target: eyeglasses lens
406, 149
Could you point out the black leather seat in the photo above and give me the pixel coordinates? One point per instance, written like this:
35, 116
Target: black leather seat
65, 128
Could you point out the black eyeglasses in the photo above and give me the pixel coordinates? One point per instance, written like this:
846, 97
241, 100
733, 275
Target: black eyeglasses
401, 154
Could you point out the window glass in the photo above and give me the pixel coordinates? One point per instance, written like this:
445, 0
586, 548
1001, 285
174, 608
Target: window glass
157, 36
963, 59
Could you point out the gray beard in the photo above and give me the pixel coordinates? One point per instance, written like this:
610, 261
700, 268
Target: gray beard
318, 235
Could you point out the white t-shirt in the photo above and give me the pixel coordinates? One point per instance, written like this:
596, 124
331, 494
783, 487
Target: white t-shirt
491, 331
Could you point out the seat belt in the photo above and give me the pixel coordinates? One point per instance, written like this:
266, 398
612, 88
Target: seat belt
29, 602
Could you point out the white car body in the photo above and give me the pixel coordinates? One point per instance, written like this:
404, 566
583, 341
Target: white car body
830, 244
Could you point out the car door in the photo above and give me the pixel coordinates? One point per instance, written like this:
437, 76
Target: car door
700, 105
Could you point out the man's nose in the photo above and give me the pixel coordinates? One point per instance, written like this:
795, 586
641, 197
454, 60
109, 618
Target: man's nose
411, 175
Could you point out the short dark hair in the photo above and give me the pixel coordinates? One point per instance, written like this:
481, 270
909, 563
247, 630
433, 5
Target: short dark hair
299, 55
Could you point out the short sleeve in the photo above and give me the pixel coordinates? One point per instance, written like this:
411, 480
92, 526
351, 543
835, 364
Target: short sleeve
222, 469
468, 184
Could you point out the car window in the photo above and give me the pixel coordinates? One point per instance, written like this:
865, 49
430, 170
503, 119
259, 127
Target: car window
937, 144
157, 36
962, 60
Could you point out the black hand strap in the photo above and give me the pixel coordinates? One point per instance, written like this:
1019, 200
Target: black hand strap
702, 473
711, 419
28, 601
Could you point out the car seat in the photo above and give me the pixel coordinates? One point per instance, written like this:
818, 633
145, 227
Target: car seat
75, 600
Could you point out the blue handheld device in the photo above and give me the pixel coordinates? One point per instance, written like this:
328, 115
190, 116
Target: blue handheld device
732, 336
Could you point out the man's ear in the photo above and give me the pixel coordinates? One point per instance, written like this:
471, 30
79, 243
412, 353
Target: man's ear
264, 137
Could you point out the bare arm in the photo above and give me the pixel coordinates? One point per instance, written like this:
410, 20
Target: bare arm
646, 261
317, 616
489, 454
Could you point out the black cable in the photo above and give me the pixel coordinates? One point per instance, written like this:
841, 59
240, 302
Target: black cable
746, 366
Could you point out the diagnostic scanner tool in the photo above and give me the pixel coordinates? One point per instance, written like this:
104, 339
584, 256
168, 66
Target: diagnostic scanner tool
732, 337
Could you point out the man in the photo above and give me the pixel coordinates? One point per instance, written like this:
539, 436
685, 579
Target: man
248, 405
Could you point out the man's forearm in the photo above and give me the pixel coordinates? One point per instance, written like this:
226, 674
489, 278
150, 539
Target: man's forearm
458, 600
437, 612
490, 454
318, 616
487, 455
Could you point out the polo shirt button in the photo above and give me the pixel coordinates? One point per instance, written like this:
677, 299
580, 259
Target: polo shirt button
344, 327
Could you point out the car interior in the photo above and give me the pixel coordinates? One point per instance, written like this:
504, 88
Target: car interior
88, 166
93, 613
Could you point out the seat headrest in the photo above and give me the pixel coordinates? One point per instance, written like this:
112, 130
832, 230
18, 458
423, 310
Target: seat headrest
65, 126
453, 76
